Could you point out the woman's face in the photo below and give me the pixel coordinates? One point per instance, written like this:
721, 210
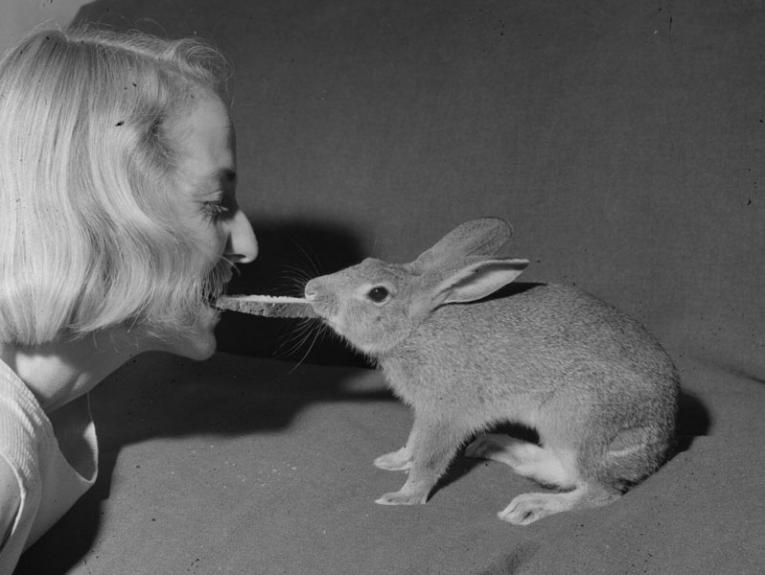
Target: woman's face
207, 206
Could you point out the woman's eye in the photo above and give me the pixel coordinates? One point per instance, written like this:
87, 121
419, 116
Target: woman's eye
215, 209
378, 294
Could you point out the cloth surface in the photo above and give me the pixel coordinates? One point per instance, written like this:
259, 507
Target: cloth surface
246, 465
49, 485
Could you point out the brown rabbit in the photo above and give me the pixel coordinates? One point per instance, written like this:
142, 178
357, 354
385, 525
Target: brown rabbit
600, 392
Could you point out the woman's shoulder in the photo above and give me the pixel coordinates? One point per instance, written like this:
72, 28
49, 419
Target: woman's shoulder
10, 500
22, 418
18, 466
23, 425
38, 483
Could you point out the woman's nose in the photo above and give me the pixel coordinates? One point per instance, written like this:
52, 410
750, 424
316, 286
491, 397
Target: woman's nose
242, 247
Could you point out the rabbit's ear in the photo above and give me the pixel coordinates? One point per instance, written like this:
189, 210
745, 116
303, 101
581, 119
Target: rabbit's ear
476, 237
478, 280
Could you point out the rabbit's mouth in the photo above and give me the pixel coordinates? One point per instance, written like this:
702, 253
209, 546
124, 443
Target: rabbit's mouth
325, 306
327, 315
320, 303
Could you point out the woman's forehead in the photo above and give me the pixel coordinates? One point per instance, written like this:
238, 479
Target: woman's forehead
206, 116
205, 136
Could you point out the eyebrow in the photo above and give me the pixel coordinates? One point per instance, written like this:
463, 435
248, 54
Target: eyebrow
222, 178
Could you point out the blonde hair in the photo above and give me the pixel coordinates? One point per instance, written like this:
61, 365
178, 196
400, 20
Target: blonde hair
87, 235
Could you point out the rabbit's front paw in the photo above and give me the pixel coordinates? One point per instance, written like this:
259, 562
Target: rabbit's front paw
394, 461
402, 498
530, 507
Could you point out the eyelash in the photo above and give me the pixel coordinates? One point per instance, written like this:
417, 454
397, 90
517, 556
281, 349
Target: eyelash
215, 210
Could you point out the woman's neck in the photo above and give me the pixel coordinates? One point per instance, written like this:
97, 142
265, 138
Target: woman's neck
59, 372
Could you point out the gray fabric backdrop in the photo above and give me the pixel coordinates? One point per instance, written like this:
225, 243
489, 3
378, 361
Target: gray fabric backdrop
623, 140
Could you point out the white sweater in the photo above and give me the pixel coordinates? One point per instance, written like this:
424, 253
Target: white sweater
31, 443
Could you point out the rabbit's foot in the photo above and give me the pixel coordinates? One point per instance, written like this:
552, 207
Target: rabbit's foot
395, 461
403, 497
530, 507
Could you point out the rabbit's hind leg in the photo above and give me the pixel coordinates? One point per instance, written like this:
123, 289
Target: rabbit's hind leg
601, 472
559, 464
543, 465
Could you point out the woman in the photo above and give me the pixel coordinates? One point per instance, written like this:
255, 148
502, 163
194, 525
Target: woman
118, 228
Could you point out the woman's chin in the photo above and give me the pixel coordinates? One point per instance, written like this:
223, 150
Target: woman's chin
197, 342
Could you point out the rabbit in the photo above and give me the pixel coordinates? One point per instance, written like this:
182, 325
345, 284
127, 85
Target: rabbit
598, 390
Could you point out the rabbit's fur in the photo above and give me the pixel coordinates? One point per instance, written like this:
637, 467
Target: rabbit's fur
598, 389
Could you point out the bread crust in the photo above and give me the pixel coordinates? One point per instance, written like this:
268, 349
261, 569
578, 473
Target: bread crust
266, 306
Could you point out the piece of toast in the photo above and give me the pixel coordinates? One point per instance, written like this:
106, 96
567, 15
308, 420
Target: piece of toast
266, 305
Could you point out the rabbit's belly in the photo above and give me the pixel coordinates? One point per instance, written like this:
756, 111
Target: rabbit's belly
523, 410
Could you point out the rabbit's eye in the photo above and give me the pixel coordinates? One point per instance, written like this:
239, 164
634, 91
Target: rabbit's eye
378, 294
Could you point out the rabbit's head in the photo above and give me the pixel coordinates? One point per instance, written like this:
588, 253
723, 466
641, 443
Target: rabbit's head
375, 304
